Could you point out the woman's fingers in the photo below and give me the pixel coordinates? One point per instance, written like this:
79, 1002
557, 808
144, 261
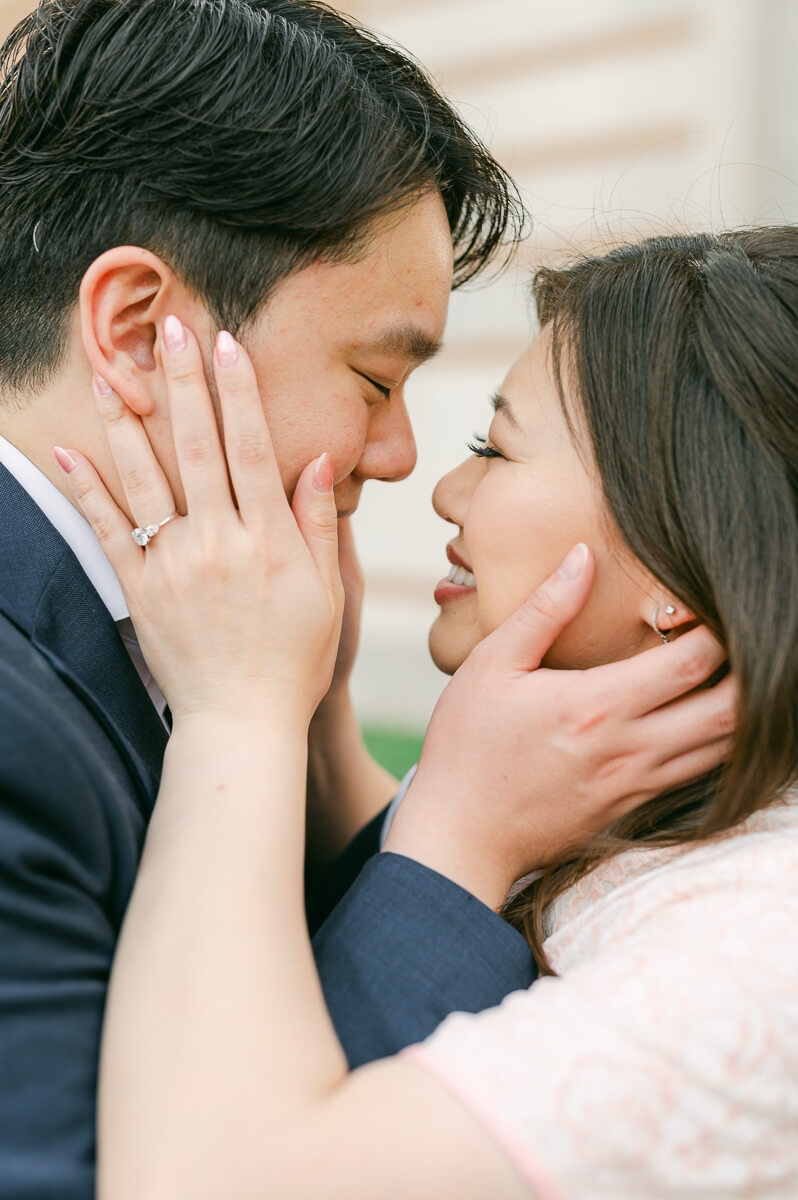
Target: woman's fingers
200, 458
250, 455
146, 488
315, 513
109, 523
656, 677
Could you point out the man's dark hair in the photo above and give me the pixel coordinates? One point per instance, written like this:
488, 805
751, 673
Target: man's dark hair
236, 139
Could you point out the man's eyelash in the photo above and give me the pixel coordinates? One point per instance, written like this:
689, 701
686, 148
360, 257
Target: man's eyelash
481, 449
384, 391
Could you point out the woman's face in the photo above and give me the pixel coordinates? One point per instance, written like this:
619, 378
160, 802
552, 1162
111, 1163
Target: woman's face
518, 515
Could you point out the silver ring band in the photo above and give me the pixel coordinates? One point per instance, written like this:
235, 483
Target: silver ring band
143, 536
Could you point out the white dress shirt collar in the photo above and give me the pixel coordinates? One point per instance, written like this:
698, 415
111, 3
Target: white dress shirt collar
74, 529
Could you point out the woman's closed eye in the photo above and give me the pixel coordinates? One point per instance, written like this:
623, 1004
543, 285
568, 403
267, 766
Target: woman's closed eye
482, 449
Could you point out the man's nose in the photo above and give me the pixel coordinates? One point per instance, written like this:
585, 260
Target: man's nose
390, 452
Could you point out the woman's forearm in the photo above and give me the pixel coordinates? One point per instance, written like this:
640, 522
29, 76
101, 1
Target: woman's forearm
215, 1015
346, 787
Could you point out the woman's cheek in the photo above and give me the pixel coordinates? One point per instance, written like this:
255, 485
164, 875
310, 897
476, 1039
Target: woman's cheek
507, 574
491, 548
518, 548
497, 603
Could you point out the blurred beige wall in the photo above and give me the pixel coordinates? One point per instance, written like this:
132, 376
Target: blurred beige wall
10, 12
618, 118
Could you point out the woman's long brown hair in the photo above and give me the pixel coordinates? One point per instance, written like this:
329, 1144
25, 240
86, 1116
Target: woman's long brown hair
681, 357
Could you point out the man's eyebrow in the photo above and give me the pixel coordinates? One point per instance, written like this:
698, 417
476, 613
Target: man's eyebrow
403, 341
502, 405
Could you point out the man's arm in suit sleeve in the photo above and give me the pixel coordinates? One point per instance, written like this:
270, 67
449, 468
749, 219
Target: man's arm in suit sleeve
406, 947
57, 944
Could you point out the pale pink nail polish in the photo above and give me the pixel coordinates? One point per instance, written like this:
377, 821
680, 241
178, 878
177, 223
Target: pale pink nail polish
323, 475
174, 335
102, 386
226, 349
65, 460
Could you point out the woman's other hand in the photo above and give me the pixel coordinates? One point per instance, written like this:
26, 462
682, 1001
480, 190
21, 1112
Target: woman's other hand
352, 578
238, 604
521, 764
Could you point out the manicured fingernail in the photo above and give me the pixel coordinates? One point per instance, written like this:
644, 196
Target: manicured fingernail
174, 335
574, 563
65, 460
324, 473
226, 349
102, 386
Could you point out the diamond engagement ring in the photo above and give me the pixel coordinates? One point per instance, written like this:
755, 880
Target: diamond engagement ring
142, 536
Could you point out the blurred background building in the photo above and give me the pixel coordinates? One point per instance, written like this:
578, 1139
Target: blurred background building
618, 118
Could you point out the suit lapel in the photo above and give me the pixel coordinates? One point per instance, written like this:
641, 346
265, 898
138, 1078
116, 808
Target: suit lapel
46, 594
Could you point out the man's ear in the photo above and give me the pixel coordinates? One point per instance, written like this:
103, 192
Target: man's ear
124, 297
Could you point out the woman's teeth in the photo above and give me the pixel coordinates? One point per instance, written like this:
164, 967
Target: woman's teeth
463, 577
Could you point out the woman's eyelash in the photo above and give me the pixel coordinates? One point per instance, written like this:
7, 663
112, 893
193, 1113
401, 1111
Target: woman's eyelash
481, 449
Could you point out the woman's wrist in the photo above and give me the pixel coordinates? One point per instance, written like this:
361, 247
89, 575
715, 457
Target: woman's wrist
242, 720
229, 777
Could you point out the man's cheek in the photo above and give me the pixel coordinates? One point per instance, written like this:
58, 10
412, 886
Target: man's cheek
346, 442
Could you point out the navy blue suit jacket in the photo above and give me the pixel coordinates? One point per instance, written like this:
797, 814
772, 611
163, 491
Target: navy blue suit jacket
81, 750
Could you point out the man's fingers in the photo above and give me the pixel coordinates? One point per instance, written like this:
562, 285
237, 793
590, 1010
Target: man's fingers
692, 722
109, 523
524, 639
253, 468
146, 488
658, 676
203, 470
692, 766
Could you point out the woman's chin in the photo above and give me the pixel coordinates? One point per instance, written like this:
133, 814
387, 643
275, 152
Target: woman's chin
450, 646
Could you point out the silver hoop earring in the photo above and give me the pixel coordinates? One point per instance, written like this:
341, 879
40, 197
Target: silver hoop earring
670, 610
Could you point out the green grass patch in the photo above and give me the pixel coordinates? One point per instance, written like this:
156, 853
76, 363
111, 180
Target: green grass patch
396, 750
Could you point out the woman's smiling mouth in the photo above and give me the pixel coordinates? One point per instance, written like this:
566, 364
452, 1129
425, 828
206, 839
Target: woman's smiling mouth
460, 580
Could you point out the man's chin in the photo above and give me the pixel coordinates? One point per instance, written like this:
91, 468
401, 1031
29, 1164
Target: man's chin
347, 506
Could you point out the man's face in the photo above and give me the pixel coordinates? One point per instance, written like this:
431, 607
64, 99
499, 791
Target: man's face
333, 340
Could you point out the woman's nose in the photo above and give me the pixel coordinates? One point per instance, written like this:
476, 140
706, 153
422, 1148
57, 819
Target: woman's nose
453, 493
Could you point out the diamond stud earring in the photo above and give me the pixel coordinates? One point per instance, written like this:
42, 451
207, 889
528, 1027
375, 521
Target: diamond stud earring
670, 610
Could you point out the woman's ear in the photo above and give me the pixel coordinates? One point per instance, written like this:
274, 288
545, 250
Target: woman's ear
124, 297
670, 617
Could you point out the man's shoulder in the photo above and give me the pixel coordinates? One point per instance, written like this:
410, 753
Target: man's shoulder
51, 742
64, 788
32, 697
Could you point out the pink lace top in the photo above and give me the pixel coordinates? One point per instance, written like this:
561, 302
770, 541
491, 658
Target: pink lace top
663, 1061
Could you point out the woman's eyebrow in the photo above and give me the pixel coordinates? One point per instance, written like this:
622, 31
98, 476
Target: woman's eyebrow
501, 404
